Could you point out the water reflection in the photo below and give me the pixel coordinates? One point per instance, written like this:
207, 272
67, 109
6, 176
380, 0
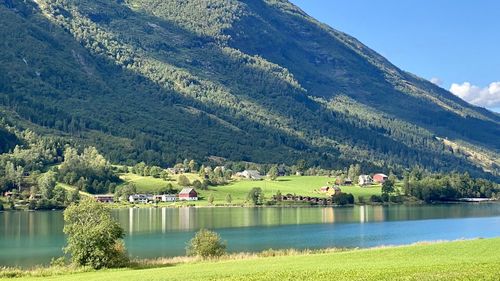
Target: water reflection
163, 220
29, 238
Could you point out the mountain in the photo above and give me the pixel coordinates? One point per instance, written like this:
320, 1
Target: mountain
164, 80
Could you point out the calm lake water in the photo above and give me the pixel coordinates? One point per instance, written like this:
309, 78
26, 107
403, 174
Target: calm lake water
30, 238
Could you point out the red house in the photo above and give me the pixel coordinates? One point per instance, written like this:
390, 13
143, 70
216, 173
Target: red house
188, 194
380, 178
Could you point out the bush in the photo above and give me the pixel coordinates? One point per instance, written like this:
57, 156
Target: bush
361, 200
206, 244
396, 198
385, 197
1, 206
58, 262
343, 199
376, 199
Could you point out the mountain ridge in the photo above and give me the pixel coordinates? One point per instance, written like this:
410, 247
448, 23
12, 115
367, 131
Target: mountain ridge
141, 81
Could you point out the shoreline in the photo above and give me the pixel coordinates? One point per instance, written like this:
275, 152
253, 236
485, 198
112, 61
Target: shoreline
114, 206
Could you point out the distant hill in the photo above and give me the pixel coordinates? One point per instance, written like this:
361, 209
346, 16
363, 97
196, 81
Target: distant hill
163, 80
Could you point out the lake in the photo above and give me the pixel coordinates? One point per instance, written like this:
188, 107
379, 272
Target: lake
31, 238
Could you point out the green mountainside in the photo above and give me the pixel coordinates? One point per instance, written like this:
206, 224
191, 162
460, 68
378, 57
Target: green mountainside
164, 80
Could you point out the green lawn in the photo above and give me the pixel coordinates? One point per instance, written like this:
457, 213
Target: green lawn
300, 185
462, 260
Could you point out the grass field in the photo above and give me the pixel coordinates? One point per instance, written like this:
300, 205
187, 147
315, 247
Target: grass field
300, 185
461, 260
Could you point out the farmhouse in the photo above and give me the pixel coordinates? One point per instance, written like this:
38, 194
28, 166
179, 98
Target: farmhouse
105, 198
176, 171
380, 178
168, 198
139, 198
365, 180
250, 174
188, 194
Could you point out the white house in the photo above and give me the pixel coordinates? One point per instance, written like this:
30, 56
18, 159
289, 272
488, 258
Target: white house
250, 174
365, 180
168, 198
138, 198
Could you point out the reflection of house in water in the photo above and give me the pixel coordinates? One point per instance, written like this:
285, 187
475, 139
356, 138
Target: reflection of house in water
130, 221
371, 213
327, 215
163, 220
362, 213
185, 218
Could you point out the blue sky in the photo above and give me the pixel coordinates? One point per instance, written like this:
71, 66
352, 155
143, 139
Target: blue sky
456, 43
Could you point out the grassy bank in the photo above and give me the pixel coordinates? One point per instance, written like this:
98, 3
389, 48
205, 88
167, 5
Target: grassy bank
461, 260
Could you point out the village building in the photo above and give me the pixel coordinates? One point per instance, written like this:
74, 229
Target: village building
250, 174
188, 194
348, 181
176, 171
365, 180
104, 198
168, 198
139, 198
380, 178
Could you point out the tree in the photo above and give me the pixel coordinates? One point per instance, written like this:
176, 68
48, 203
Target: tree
301, 165
229, 198
354, 172
388, 186
406, 184
211, 199
206, 244
60, 195
46, 184
192, 166
255, 195
74, 196
279, 196
273, 172
94, 237
183, 181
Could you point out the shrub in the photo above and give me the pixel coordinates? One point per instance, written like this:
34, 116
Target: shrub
396, 199
1, 206
361, 200
385, 197
206, 244
343, 198
376, 199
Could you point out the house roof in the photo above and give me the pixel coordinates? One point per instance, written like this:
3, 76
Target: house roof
381, 175
187, 190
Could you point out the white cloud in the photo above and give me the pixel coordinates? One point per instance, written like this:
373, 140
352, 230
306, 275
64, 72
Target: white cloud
437, 81
487, 97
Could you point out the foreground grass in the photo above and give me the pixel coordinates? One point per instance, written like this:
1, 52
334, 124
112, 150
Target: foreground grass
461, 260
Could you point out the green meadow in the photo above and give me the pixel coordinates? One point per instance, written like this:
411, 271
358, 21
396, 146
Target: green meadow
460, 260
299, 185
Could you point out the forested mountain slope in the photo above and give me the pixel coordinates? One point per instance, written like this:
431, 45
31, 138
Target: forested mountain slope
163, 80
